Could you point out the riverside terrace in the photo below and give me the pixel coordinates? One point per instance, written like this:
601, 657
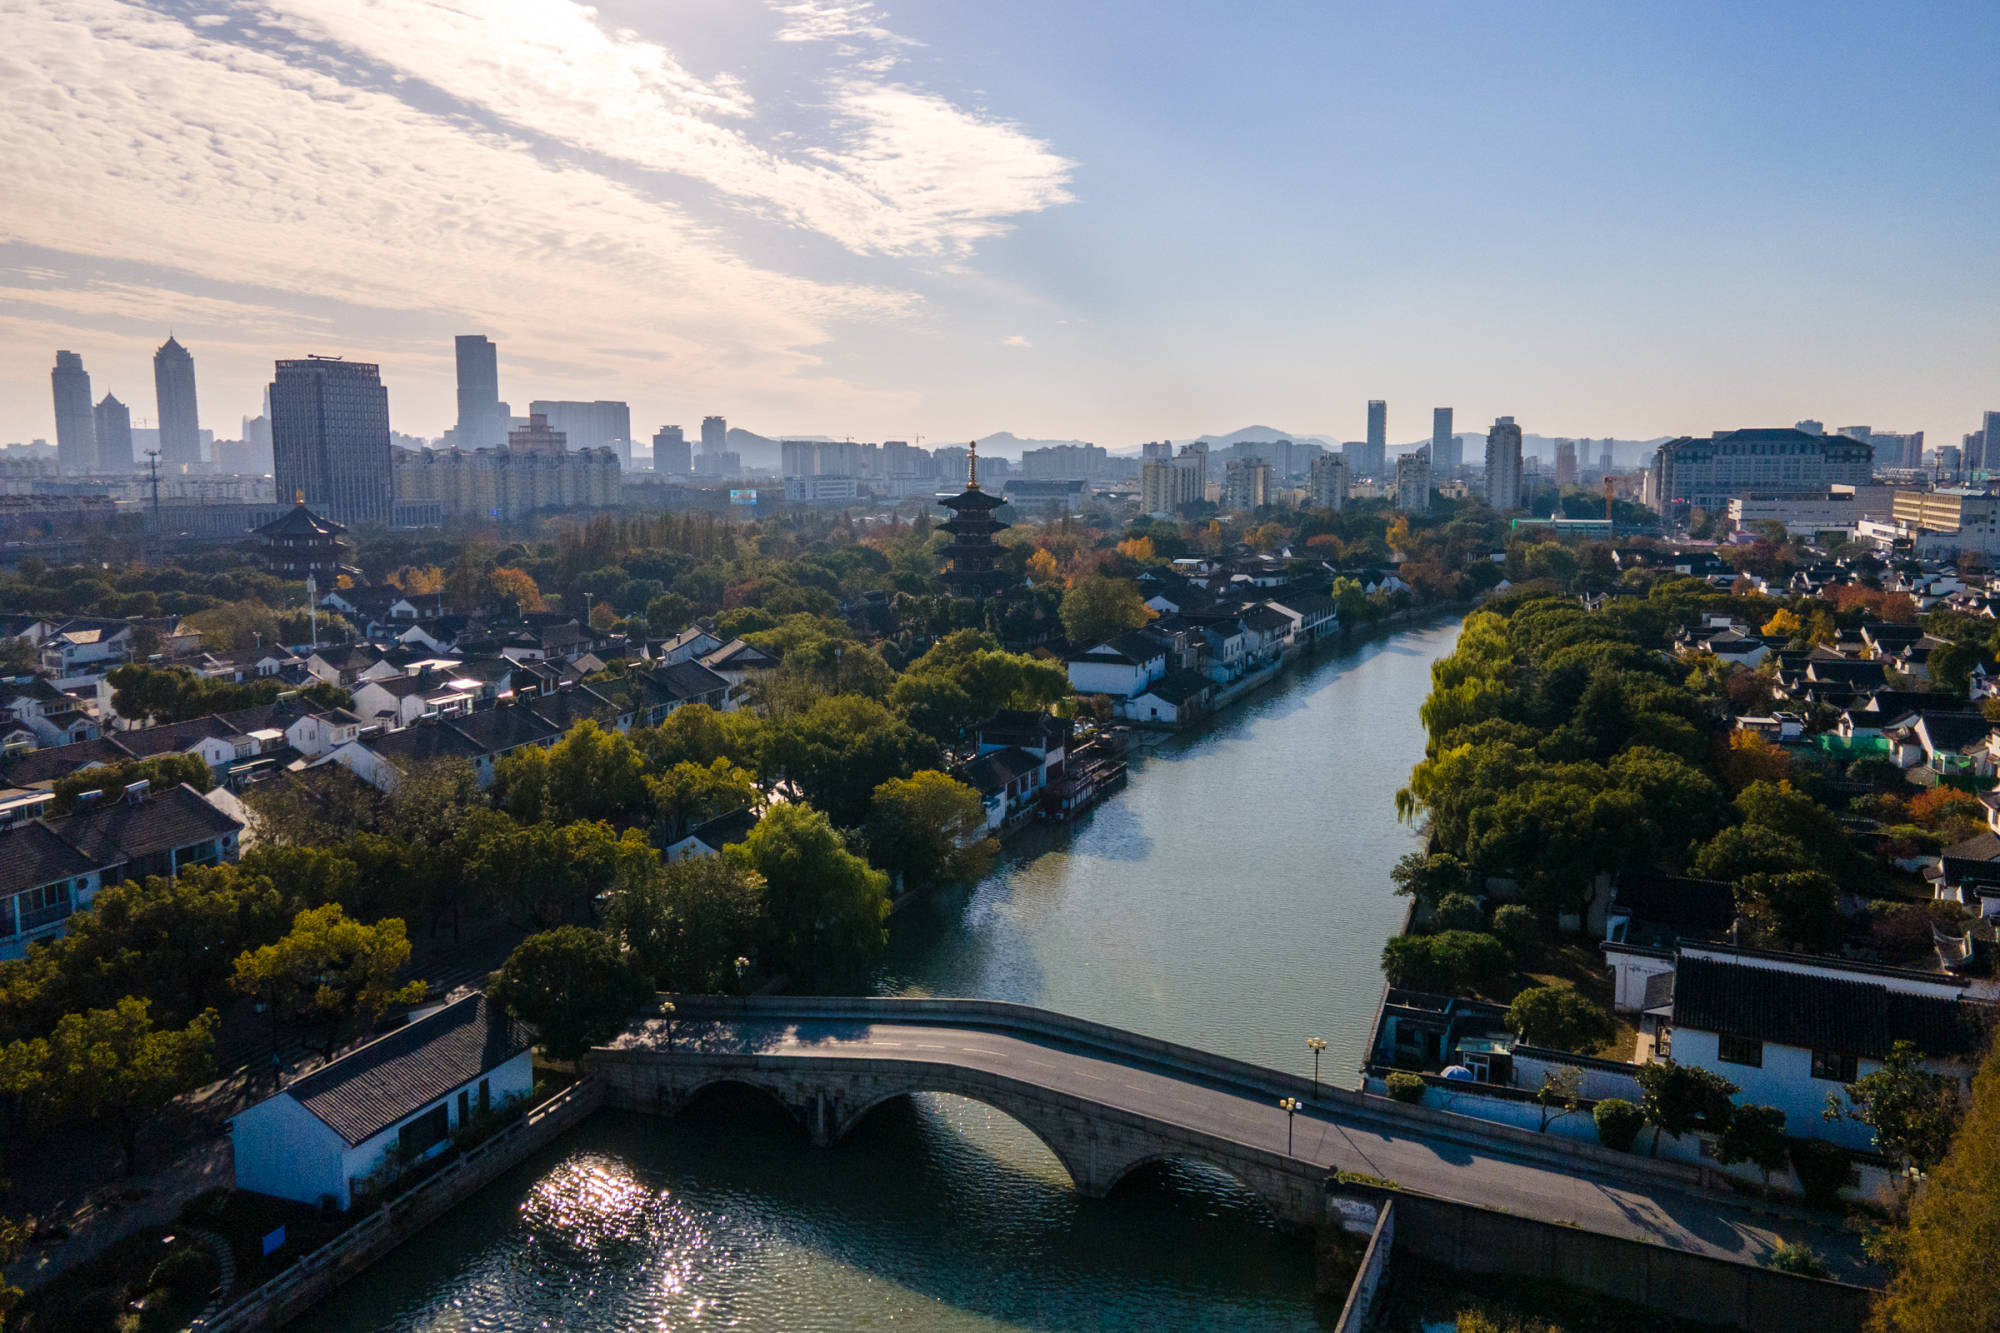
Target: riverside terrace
1107, 1102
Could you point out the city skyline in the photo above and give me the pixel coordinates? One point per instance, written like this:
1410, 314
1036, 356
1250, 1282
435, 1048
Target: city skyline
847, 219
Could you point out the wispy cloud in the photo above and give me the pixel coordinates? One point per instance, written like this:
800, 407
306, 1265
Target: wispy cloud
834, 20
1015, 340
894, 171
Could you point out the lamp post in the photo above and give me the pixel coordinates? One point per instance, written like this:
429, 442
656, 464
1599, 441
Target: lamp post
1290, 1106
1315, 1045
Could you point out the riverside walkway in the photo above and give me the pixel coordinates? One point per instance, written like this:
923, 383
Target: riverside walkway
1106, 1102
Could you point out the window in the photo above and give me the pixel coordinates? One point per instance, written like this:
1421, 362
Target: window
425, 1132
485, 1096
1740, 1051
1834, 1067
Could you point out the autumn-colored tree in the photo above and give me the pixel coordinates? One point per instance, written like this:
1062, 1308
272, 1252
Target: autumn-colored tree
1945, 1279
1043, 569
1783, 622
1748, 758
417, 580
1956, 814
514, 587
1139, 549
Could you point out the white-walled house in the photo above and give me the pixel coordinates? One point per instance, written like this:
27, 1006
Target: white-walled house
1120, 666
329, 1131
1789, 1029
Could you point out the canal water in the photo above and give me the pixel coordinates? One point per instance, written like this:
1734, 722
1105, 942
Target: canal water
1234, 896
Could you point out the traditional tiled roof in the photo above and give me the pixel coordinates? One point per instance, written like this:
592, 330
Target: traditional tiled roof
300, 521
114, 832
1179, 685
496, 730
992, 771
49, 763
1820, 1013
363, 1093
31, 855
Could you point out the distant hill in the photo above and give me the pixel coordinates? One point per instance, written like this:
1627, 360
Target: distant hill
756, 450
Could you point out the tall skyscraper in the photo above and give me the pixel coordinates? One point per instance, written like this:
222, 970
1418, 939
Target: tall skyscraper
1503, 465
598, 425
1604, 459
1376, 459
670, 452
113, 421
76, 425
330, 437
180, 423
714, 435
1565, 462
481, 423
1446, 454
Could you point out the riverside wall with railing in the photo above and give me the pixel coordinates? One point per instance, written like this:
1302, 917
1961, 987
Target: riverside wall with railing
317, 1274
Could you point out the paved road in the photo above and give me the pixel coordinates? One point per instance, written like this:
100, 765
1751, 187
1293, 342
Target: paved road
1536, 1181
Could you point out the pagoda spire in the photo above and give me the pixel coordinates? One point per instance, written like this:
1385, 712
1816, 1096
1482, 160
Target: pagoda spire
972, 466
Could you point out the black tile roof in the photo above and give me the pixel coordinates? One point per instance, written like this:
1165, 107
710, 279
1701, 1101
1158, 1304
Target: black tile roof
58, 761
30, 856
1816, 1012
361, 1094
115, 832
992, 771
1955, 731
1676, 900
425, 741
689, 680
1179, 685
505, 728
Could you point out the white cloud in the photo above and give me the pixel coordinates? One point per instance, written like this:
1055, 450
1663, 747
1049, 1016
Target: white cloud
1015, 340
833, 20
134, 138
900, 172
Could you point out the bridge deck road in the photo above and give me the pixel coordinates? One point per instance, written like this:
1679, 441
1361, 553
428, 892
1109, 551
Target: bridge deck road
1333, 1136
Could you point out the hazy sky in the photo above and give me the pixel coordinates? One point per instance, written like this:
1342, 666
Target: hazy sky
1105, 221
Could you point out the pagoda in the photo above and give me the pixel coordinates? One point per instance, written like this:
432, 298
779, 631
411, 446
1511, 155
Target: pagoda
301, 544
972, 552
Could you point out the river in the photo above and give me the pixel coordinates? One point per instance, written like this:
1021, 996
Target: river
1234, 896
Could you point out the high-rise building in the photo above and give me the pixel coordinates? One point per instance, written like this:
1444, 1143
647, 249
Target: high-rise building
1327, 482
330, 437
1246, 484
714, 435
1565, 462
1707, 473
1157, 449
1413, 482
1810, 427
670, 451
1378, 436
180, 422
1503, 465
1950, 464
113, 423
482, 422
1447, 456
1987, 457
1168, 486
599, 425
1604, 460
534, 470
76, 424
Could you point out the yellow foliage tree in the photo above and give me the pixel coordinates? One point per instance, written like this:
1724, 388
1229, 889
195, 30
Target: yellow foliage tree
507, 584
1137, 548
1042, 568
1783, 622
1946, 1280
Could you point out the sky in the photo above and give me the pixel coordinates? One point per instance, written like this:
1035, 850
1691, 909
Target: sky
940, 218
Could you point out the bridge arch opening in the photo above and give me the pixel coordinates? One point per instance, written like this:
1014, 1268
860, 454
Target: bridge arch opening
742, 1102
1193, 1185
953, 1123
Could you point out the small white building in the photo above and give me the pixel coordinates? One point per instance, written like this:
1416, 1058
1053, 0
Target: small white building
329, 1131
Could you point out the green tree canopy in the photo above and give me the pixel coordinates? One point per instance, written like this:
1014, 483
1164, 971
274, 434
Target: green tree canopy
687, 922
573, 985
542, 876
332, 970
929, 829
590, 774
1560, 1018
688, 795
826, 908
839, 751
1913, 1112
1098, 607
109, 1068
162, 772
1677, 1098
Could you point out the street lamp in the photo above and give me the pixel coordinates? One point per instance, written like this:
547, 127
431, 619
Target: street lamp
1290, 1106
1315, 1045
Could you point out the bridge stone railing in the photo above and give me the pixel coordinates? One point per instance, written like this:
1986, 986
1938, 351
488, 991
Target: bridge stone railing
1571, 1156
